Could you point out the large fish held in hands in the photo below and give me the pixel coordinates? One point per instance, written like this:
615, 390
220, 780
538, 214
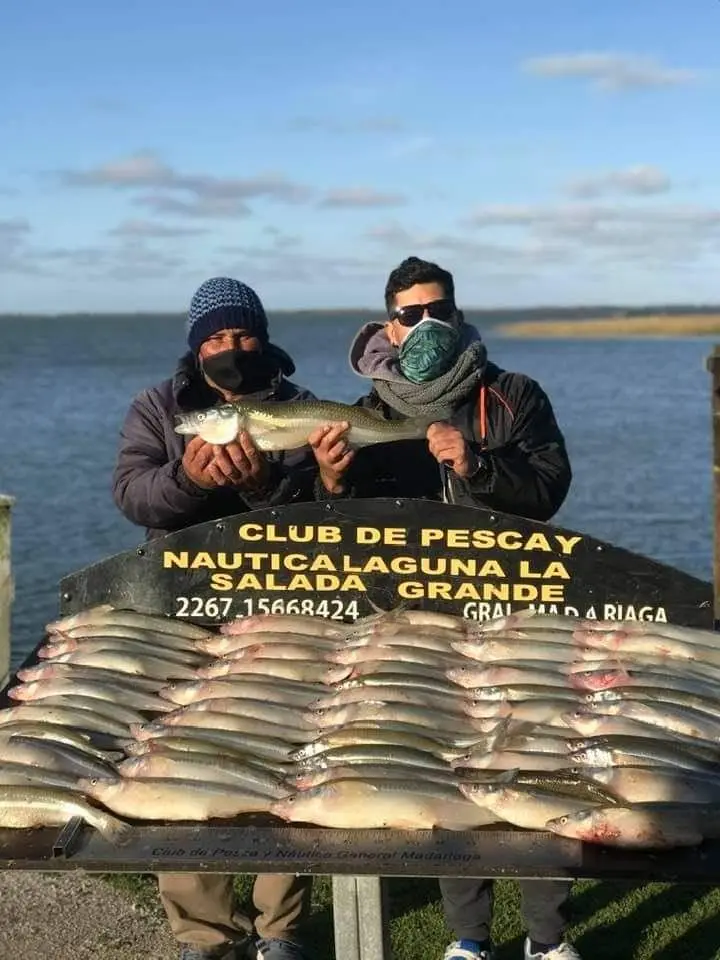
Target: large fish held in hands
286, 425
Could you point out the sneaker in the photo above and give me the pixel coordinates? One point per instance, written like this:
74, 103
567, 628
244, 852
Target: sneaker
467, 950
563, 951
275, 949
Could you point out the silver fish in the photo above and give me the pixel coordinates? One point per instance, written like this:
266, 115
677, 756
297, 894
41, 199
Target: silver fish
73, 717
242, 686
107, 693
523, 805
427, 717
270, 713
305, 671
286, 425
150, 638
168, 799
385, 803
281, 623
641, 784
51, 755
123, 661
646, 826
51, 670
206, 768
235, 644
213, 720
364, 754
23, 807
106, 614
260, 746
305, 779
14, 774
61, 646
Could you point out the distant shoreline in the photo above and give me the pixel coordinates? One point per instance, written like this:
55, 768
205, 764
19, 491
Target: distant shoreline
614, 327
560, 323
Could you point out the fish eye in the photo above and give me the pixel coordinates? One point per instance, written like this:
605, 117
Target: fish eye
201, 416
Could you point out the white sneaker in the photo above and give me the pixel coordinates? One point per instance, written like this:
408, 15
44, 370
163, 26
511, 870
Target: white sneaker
466, 950
563, 951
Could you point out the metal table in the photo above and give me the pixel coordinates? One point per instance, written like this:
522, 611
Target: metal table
357, 860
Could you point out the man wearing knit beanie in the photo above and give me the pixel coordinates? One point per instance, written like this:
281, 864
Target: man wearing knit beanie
165, 482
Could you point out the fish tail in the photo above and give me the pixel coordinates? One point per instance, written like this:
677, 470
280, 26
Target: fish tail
399, 608
117, 832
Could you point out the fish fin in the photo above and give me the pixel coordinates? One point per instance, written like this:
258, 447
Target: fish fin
117, 832
497, 738
508, 776
402, 606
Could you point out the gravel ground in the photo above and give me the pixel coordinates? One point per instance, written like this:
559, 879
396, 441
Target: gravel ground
77, 917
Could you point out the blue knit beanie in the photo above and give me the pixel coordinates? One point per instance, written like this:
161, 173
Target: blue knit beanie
224, 304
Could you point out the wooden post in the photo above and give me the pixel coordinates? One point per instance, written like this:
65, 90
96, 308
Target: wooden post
713, 365
6, 588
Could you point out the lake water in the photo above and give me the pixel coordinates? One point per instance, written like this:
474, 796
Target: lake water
636, 415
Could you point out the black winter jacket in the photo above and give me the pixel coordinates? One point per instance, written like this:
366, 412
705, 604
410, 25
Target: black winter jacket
149, 484
509, 420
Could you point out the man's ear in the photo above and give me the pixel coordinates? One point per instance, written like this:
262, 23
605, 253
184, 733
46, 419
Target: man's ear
390, 333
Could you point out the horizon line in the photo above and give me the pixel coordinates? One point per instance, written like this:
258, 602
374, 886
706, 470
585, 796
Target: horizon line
630, 308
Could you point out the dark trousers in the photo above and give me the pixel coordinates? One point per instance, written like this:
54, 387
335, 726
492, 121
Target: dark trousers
468, 908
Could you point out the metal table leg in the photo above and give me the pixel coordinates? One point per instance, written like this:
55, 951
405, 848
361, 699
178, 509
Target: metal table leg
361, 918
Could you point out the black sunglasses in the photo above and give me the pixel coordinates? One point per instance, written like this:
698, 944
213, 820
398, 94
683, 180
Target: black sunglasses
413, 313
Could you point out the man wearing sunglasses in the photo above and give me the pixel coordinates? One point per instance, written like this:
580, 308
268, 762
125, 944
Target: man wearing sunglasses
495, 444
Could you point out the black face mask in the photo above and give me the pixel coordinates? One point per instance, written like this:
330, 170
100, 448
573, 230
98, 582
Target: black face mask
240, 371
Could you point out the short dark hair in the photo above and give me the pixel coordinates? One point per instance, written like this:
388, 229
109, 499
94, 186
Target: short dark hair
414, 270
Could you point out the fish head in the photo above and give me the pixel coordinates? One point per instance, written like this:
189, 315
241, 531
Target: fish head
97, 787
321, 716
49, 651
294, 806
172, 690
132, 766
215, 669
593, 756
307, 779
40, 671
145, 731
607, 695
579, 825
336, 674
483, 791
489, 693
217, 425
581, 719
24, 691
459, 675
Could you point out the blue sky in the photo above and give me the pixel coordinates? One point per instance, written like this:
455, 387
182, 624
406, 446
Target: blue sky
545, 152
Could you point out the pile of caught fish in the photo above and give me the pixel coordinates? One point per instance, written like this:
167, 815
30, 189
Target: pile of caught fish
607, 732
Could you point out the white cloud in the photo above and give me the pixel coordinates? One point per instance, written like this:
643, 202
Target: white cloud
161, 188
149, 228
361, 197
661, 235
641, 180
611, 71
